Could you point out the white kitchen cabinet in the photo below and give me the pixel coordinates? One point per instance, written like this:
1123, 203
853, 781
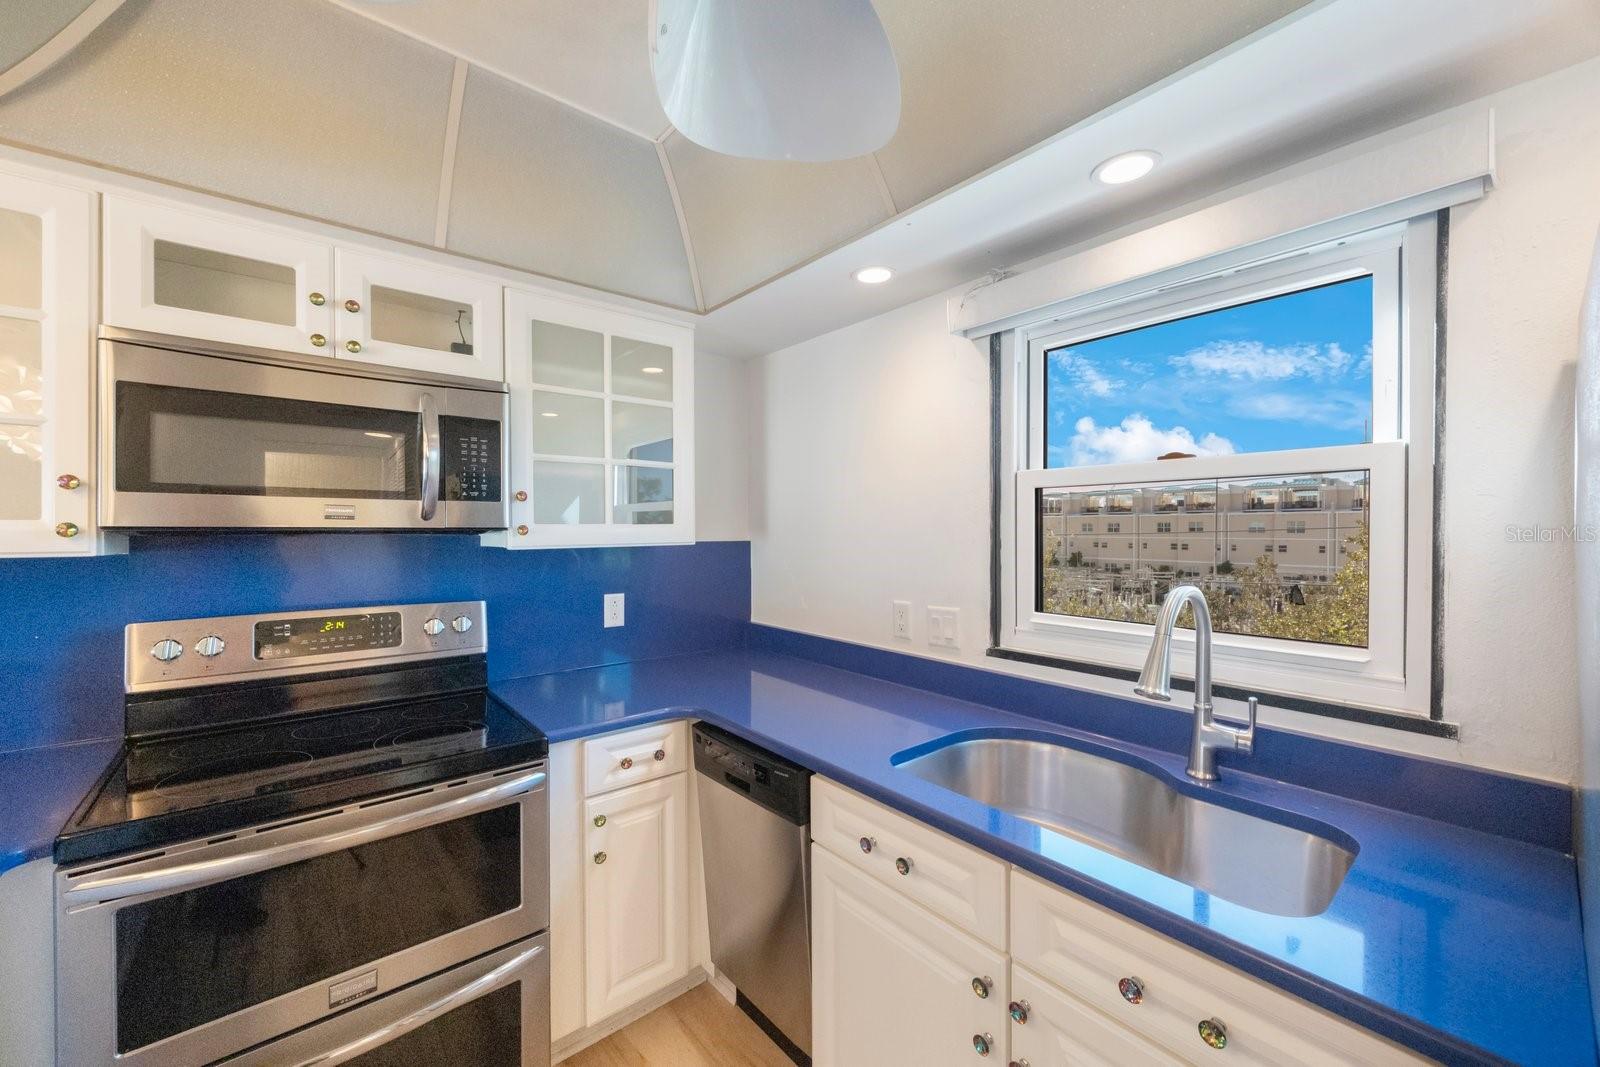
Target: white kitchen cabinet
895, 985
1172, 995
1049, 1027
47, 283
636, 893
215, 277
404, 313
602, 425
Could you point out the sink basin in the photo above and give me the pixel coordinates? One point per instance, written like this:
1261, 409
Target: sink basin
1256, 862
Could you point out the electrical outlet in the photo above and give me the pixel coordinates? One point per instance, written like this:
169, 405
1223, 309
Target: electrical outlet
613, 609
944, 627
902, 619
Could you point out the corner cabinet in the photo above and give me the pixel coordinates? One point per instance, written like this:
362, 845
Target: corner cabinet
47, 284
602, 425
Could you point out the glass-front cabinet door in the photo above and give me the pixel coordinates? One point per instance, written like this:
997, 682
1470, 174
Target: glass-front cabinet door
46, 355
403, 313
215, 278
602, 425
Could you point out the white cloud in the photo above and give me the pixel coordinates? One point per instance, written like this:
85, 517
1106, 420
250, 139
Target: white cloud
1257, 362
1086, 378
1136, 440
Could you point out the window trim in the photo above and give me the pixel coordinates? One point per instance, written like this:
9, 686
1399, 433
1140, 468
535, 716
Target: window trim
1404, 689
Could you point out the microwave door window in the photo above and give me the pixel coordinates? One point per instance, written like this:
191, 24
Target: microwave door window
175, 440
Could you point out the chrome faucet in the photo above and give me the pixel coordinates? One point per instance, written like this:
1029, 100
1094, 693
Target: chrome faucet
1155, 682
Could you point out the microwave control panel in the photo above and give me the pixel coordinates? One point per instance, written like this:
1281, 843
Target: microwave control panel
471, 450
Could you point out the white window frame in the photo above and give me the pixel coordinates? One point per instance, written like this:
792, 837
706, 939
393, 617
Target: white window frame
1394, 672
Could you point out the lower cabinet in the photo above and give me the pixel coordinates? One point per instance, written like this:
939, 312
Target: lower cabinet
893, 984
900, 979
1049, 1028
635, 893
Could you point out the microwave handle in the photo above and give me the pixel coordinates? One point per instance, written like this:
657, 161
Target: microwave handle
455, 998
185, 876
431, 459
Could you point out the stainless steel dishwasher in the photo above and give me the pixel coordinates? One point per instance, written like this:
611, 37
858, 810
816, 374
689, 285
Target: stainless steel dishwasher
755, 825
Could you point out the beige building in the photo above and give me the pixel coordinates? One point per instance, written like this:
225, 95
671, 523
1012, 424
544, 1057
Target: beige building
1302, 523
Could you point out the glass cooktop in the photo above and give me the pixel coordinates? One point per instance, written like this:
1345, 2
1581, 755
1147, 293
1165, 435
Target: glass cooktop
198, 784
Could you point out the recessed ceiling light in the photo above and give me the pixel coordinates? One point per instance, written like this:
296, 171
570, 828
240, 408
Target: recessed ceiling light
1128, 167
550, 414
377, 433
873, 275
652, 370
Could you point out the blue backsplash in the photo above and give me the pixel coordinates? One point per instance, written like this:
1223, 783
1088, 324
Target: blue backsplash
61, 657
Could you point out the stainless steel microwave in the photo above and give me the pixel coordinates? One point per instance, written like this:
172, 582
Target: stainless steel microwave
201, 437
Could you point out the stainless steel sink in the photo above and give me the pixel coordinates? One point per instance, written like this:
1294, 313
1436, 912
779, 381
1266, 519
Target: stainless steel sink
1255, 862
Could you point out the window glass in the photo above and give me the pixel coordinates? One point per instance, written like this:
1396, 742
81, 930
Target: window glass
1289, 371
1262, 573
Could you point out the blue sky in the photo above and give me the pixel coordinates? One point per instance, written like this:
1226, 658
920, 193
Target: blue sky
1290, 372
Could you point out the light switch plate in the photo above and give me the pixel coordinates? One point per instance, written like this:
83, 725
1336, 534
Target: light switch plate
944, 627
902, 619
613, 610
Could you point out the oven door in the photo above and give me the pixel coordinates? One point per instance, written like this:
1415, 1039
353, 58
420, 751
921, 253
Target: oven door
200, 951
491, 1012
196, 441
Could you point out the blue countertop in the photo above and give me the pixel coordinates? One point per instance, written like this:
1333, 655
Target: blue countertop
1460, 943
39, 788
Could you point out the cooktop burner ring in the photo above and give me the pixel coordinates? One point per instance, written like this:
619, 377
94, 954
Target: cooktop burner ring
334, 727
436, 731
211, 747
203, 778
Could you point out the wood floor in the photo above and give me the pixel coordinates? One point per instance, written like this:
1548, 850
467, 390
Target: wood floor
699, 1029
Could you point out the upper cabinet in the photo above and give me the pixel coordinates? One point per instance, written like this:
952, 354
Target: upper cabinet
602, 425
46, 353
214, 277
211, 277
402, 313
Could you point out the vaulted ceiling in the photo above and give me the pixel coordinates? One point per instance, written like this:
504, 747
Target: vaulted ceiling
527, 132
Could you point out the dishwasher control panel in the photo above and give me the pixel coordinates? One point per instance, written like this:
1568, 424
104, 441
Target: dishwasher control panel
776, 784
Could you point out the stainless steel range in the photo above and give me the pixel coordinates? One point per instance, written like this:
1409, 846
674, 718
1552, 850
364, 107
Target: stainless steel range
324, 842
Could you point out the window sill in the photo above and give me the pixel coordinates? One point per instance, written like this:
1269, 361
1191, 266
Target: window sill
1347, 712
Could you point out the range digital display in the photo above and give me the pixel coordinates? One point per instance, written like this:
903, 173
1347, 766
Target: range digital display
320, 635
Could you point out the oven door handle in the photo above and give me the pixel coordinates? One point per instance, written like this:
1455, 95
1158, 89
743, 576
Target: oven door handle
469, 990
184, 876
431, 459
424, 1015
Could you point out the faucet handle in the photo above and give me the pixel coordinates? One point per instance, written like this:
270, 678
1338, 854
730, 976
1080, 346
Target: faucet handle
1245, 740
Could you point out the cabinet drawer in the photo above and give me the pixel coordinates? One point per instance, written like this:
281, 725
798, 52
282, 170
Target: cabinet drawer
634, 756
1089, 951
952, 879
1058, 1028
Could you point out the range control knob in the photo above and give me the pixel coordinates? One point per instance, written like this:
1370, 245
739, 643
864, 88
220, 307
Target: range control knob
210, 645
460, 624
166, 650
433, 627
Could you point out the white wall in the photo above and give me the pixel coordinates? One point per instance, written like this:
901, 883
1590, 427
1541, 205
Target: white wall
721, 448
872, 446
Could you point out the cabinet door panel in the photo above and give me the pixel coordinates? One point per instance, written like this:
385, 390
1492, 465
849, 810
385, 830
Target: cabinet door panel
636, 893
169, 270
1059, 1029
893, 984
413, 315
602, 425
46, 355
